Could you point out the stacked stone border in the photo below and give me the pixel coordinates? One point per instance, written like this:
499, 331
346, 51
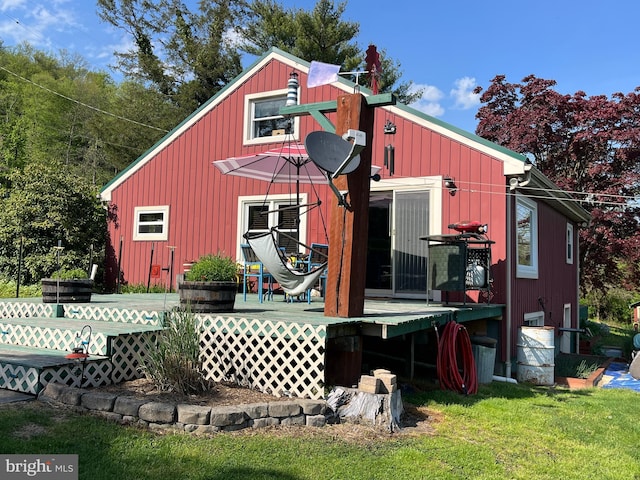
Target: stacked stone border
184, 417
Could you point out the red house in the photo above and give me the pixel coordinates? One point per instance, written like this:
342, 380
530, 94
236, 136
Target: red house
432, 175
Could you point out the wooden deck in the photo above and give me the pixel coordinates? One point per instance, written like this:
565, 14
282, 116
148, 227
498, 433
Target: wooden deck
278, 347
384, 318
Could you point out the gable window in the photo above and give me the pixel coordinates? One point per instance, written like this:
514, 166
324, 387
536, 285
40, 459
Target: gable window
526, 238
263, 122
278, 211
569, 243
151, 223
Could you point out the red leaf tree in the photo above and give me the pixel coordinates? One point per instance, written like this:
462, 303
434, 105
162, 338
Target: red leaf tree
586, 145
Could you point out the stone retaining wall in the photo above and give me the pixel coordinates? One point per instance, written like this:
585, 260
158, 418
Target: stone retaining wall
188, 418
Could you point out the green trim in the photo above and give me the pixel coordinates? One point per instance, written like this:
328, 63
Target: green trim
387, 328
464, 133
318, 110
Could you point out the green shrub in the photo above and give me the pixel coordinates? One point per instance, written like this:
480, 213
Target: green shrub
213, 268
70, 274
612, 306
142, 288
174, 364
8, 290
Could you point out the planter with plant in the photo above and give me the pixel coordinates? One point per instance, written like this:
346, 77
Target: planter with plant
67, 286
210, 285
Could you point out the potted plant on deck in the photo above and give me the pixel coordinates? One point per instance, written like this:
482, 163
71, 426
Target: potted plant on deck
67, 286
210, 285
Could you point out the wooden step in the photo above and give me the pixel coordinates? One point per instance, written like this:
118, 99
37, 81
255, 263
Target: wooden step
28, 369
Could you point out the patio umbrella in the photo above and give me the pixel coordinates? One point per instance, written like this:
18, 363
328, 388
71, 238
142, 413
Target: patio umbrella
288, 163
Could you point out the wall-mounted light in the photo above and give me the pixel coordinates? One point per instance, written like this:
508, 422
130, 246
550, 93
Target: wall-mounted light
292, 90
450, 184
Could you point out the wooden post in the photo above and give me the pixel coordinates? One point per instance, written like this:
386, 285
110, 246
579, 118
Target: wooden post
348, 232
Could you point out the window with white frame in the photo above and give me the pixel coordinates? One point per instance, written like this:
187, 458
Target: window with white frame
263, 122
151, 223
569, 243
278, 211
534, 319
526, 238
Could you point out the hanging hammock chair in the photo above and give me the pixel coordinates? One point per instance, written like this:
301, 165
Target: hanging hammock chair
292, 281
333, 156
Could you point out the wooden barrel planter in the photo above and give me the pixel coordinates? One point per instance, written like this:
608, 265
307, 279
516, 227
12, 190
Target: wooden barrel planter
208, 297
66, 291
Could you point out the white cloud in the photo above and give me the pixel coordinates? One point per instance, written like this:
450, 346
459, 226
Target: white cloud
33, 23
430, 101
6, 5
463, 93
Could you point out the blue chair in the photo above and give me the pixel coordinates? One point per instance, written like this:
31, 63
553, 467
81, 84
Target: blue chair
253, 268
318, 256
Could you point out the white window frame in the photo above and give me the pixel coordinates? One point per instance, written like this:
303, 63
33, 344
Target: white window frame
570, 242
528, 270
249, 107
162, 236
243, 221
432, 184
534, 319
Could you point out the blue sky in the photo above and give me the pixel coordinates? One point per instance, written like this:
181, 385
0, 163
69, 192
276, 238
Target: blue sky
445, 47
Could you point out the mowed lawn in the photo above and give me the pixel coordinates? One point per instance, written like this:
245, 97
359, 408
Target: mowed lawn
504, 432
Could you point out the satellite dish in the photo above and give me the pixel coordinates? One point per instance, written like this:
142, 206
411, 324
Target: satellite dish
329, 152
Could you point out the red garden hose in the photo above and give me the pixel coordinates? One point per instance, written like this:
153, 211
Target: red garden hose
454, 347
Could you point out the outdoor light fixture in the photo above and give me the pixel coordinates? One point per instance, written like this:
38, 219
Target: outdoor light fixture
292, 90
450, 183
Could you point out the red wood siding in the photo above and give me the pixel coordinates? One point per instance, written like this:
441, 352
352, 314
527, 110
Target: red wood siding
556, 284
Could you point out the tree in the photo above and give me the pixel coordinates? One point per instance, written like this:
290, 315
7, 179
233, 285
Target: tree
48, 203
186, 56
587, 145
319, 35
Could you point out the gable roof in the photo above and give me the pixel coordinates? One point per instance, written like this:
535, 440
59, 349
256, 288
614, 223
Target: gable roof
513, 163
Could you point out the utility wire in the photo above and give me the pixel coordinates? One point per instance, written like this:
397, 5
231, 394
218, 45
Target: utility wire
99, 110
623, 199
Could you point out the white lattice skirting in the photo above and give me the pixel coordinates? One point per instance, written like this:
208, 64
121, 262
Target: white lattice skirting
30, 380
278, 358
20, 310
140, 317
52, 338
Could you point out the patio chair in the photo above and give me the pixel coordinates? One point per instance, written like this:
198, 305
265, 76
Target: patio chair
292, 282
254, 268
318, 256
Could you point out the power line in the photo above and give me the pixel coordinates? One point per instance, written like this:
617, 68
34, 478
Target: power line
99, 110
559, 190
624, 203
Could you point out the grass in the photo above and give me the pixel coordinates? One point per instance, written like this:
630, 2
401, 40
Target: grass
505, 431
612, 334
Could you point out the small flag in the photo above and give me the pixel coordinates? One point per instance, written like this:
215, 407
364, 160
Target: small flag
322, 74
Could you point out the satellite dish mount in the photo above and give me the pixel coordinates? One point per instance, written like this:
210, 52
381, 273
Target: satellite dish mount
336, 155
